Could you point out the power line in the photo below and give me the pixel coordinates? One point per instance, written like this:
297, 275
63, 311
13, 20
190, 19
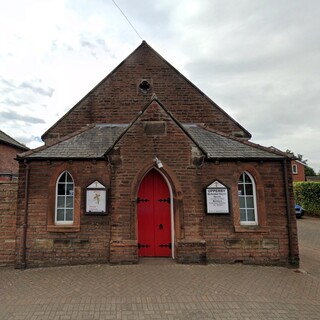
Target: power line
127, 19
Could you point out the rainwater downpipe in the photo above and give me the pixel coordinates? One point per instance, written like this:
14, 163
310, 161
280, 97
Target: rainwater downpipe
25, 217
290, 240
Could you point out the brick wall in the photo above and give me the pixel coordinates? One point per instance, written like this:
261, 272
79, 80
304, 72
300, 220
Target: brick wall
118, 99
267, 245
8, 207
90, 245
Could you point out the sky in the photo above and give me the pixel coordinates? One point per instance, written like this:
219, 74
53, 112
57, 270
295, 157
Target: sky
258, 60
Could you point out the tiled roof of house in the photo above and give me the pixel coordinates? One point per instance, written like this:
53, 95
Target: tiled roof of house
4, 138
219, 146
96, 141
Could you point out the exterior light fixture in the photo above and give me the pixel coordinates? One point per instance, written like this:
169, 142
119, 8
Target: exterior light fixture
158, 163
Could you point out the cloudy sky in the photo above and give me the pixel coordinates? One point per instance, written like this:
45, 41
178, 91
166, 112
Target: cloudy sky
259, 60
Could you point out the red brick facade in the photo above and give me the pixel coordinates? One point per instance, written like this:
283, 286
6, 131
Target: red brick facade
9, 168
118, 99
196, 236
8, 211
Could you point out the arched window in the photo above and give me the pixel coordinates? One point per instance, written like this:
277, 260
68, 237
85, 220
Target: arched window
64, 199
247, 199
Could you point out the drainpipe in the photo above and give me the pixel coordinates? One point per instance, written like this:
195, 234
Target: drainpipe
25, 217
288, 205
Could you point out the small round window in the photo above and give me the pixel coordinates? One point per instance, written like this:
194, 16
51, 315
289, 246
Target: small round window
144, 86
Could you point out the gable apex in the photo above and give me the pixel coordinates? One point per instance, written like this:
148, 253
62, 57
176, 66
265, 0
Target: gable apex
120, 95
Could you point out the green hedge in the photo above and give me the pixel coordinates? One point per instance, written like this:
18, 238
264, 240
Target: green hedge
307, 194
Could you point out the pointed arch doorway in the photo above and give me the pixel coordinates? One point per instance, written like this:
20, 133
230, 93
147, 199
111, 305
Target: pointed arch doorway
154, 216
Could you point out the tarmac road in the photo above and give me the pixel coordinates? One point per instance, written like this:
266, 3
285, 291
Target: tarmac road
309, 245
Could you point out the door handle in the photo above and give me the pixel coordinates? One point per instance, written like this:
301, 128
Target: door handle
160, 226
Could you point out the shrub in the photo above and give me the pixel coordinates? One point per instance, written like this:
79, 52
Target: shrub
307, 194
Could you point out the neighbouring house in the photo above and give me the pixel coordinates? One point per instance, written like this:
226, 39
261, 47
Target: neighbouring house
298, 173
9, 169
9, 148
147, 165
297, 166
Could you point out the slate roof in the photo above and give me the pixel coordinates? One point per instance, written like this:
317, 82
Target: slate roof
90, 144
96, 141
4, 138
218, 146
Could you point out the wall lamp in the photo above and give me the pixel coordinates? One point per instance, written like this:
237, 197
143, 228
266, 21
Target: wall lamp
158, 163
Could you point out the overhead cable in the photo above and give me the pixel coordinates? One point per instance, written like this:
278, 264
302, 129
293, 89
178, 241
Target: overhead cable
127, 20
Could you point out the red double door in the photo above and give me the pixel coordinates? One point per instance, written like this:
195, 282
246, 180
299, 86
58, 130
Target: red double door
154, 218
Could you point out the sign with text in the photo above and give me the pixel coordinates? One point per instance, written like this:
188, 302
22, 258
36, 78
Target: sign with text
96, 196
217, 198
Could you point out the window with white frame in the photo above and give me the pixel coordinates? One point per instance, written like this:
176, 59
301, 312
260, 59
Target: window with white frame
247, 200
64, 199
294, 169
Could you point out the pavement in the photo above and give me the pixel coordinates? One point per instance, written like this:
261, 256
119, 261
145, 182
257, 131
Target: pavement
162, 289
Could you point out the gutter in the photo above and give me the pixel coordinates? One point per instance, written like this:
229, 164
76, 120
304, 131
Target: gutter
25, 217
292, 261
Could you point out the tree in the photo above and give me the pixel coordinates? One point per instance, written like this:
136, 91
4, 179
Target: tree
309, 171
297, 157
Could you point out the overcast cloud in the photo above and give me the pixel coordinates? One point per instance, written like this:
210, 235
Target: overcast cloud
258, 60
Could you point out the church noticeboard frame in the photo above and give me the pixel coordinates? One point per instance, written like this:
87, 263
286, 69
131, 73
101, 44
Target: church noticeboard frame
96, 199
217, 198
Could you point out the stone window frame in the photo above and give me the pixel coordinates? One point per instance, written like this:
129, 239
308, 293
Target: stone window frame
245, 196
261, 226
67, 194
52, 226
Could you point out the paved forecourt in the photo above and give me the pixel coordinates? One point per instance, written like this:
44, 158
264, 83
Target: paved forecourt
161, 289
158, 289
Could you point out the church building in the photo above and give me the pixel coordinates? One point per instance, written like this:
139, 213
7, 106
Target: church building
147, 165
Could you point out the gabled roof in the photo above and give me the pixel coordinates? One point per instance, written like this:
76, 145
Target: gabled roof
4, 138
155, 99
96, 107
95, 142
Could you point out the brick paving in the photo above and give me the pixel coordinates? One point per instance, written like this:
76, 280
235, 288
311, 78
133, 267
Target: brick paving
161, 289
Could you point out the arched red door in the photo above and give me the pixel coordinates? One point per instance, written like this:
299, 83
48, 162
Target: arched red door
154, 217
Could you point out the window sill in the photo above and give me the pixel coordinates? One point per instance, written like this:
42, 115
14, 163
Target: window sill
254, 229
63, 228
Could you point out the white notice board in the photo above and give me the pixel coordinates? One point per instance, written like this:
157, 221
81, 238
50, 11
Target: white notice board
96, 198
217, 198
